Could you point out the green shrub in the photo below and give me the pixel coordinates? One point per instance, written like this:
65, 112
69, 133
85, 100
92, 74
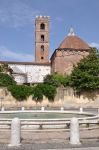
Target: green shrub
57, 80
38, 93
6, 80
3, 67
20, 92
44, 90
49, 91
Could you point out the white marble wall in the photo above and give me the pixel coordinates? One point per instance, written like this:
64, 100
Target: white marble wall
29, 73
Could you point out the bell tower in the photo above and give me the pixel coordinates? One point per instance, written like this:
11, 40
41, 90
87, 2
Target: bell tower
42, 39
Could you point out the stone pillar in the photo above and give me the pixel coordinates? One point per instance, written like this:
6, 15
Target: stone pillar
22, 109
15, 132
74, 131
62, 108
2, 109
42, 108
81, 109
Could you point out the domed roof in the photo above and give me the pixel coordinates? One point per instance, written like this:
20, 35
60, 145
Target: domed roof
73, 41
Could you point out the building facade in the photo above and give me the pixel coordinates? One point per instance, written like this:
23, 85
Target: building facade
29, 72
71, 50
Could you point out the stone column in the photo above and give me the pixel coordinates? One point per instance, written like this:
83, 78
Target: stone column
22, 108
74, 131
2, 109
15, 132
98, 110
81, 109
42, 108
62, 108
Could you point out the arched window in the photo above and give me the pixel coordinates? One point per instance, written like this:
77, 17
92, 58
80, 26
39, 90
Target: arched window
42, 51
42, 38
42, 48
42, 26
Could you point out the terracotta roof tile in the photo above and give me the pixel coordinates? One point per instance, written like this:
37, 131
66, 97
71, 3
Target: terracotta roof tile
74, 42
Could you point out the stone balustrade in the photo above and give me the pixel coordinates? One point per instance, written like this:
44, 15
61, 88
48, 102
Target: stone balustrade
73, 125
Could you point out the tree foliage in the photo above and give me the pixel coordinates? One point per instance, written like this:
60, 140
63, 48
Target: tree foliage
49, 91
4, 68
57, 80
44, 90
85, 75
38, 93
6, 80
20, 92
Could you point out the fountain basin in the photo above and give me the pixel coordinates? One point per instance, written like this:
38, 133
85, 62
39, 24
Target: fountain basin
44, 119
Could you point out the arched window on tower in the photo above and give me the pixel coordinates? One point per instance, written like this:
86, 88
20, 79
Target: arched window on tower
42, 48
42, 26
42, 38
42, 51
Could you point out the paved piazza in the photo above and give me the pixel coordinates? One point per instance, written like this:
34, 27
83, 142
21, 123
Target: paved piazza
44, 140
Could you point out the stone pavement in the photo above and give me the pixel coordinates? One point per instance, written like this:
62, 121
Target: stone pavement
53, 140
48, 147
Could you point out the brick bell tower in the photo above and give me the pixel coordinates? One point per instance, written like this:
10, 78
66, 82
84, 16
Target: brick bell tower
42, 39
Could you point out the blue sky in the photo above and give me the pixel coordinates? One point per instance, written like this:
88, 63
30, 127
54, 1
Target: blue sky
17, 29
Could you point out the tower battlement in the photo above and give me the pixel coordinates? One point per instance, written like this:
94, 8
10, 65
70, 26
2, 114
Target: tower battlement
42, 17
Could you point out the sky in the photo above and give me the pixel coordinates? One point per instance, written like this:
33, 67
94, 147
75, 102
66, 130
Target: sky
17, 25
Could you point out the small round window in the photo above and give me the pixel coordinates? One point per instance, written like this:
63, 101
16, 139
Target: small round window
42, 57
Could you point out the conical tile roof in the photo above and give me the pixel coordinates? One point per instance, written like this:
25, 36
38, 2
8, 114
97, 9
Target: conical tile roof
73, 41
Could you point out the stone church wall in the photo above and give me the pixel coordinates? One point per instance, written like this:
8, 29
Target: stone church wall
65, 97
63, 61
29, 73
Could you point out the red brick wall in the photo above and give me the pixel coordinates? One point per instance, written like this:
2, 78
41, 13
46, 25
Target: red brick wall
63, 61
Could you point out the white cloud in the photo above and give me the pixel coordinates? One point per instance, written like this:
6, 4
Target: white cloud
93, 44
16, 13
6, 54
